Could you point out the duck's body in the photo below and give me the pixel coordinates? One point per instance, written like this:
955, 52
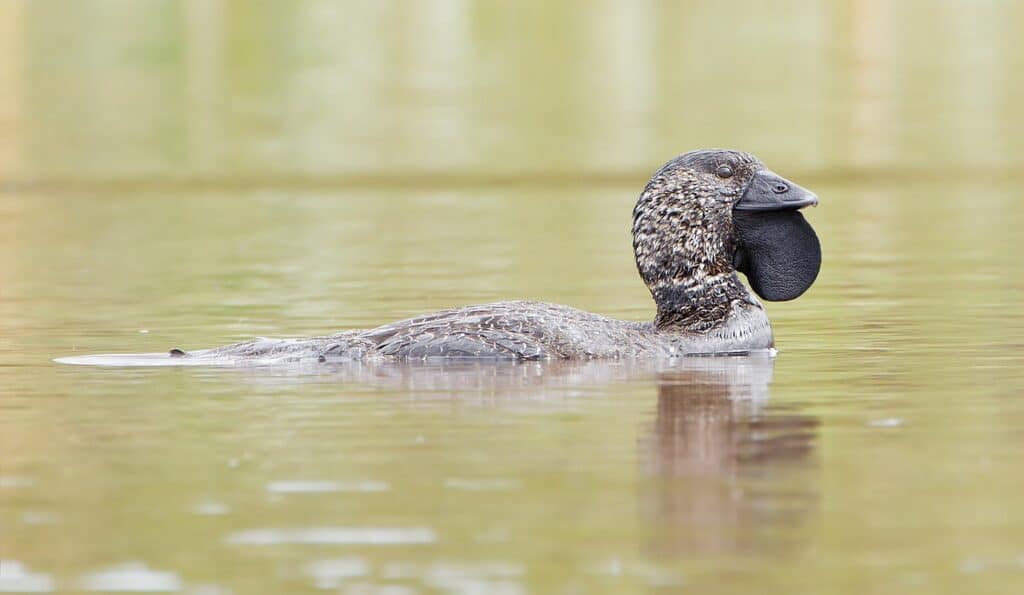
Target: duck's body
516, 330
701, 217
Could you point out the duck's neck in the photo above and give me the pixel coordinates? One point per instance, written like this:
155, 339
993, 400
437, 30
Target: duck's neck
685, 258
697, 302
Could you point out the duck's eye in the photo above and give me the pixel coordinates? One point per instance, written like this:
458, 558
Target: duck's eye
723, 171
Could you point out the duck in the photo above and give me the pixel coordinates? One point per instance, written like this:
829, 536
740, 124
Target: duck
702, 219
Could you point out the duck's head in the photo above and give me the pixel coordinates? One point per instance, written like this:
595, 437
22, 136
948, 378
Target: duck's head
709, 213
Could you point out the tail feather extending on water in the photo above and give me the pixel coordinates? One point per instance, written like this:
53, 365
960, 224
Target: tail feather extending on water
260, 351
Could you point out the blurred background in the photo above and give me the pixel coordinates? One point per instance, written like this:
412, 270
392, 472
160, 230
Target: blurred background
328, 93
191, 173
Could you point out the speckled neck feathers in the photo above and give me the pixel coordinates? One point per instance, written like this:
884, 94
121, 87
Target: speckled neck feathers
683, 242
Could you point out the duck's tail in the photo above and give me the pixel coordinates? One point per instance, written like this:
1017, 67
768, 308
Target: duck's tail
258, 352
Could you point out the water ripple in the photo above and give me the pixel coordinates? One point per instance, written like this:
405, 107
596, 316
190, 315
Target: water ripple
16, 578
334, 536
329, 574
133, 577
323, 487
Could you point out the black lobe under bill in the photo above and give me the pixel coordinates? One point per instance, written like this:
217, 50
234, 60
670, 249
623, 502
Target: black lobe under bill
778, 251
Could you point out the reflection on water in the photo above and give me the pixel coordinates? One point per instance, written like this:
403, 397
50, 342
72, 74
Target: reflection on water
711, 459
711, 447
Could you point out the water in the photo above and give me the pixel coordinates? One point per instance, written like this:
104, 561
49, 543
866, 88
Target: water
193, 174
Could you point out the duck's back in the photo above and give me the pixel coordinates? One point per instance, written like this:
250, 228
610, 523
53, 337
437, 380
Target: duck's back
519, 330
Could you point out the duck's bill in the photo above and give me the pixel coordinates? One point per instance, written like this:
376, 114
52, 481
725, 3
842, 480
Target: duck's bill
768, 191
776, 248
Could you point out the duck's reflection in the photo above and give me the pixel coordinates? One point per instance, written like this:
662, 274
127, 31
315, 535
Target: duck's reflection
724, 471
722, 468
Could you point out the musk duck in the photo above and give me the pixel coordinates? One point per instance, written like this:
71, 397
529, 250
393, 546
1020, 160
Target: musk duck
703, 217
